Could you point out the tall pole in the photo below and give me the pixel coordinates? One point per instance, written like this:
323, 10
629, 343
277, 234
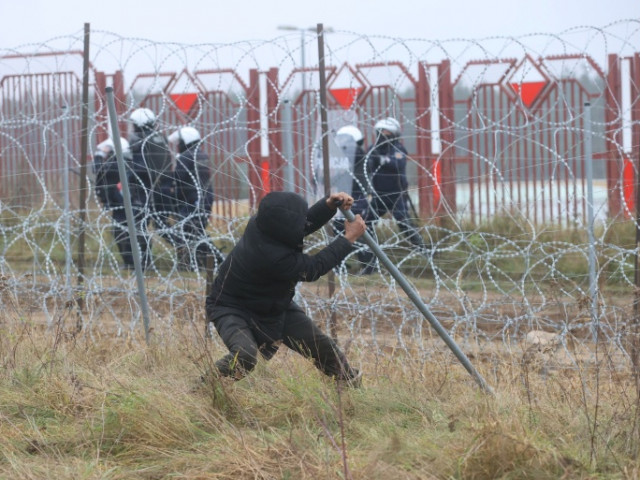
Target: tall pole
128, 210
588, 168
325, 162
306, 159
324, 124
302, 61
635, 339
635, 139
84, 149
67, 220
287, 145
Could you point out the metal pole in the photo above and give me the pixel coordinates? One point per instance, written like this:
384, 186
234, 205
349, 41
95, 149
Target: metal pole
325, 162
135, 248
306, 159
84, 149
324, 124
588, 159
287, 140
417, 301
635, 339
67, 221
635, 326
302, 61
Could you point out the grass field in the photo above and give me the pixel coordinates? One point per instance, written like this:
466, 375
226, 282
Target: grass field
113, 408
99, 403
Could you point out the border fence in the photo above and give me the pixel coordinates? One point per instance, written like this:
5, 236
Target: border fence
495, 131
508, 132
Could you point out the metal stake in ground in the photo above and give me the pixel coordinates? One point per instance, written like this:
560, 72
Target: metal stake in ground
84, 150
417, 301
128, 210
325, 162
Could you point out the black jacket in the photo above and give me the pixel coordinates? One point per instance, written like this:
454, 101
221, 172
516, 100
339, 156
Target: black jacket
388, 166
259, 276
151, 158
105, 167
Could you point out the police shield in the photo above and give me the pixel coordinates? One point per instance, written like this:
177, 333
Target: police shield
342, 152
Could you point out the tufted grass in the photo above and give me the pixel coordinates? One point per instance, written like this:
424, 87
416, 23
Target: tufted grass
111, 407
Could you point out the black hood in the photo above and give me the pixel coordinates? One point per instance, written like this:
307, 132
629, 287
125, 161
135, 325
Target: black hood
283, 216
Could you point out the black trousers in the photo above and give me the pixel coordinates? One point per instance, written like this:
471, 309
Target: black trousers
394, 203
192, 222
245, 341
120, 233
152, 203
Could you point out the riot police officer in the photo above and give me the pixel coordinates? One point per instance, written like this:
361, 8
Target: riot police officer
151, 180
107, 182
387, 169
194, 198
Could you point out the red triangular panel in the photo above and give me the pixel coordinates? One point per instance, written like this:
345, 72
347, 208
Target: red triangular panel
184, 101
528, 91
346, 96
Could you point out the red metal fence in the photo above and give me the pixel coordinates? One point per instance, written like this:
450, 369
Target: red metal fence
40, 115
523, 147
508, 132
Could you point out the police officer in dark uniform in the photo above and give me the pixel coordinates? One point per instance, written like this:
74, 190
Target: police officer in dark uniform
107, 182
194, 198
151, 181
387, 167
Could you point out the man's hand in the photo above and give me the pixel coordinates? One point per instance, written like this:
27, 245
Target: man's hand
354, 230
342, 200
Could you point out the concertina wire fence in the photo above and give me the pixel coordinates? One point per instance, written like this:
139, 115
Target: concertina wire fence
510, 249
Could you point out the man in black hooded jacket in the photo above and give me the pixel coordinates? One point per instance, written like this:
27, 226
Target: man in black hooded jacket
251, 300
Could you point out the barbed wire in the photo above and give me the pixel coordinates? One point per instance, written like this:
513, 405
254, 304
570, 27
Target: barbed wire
506, 229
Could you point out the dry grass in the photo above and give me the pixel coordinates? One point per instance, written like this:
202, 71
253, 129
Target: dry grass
113, 408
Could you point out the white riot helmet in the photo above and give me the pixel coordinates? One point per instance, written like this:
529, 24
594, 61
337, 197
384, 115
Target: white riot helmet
352, 131
107, 147
390, 124
143, 117
188, 135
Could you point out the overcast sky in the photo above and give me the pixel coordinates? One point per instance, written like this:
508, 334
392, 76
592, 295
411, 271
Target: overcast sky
223, 21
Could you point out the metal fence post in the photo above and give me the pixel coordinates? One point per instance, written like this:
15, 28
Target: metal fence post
331, 277
67, 219
588, 167
135, 248
417, 301
84, 148
287, 145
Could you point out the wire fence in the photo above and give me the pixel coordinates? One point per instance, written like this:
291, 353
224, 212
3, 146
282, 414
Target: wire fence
498, 182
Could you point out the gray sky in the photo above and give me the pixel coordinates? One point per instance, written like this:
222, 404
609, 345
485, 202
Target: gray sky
223, 21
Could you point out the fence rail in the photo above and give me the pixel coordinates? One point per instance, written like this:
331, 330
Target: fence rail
499, 127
